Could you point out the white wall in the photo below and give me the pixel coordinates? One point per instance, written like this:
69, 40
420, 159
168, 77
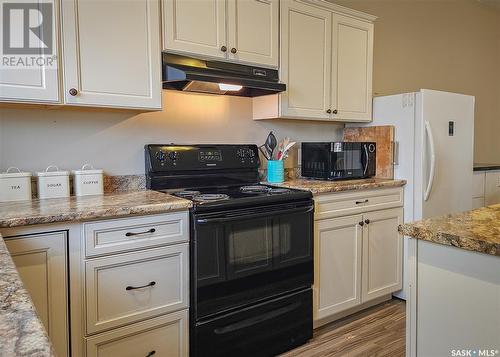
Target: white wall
113, 140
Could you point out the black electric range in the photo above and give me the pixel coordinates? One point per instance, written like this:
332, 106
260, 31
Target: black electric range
239, 196
251, 250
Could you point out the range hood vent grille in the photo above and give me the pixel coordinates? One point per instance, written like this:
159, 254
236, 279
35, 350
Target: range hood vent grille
203, 76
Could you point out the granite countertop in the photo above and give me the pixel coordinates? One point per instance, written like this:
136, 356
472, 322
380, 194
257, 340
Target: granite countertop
321, 186
486, 167
477, 230
13, 214
21, 331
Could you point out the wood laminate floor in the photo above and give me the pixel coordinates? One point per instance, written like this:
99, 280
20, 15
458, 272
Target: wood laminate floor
377, 331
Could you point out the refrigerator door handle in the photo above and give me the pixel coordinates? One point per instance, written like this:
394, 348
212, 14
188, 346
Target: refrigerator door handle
432, 172
395, 152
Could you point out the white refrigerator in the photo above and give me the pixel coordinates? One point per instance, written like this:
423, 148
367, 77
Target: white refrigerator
433, 151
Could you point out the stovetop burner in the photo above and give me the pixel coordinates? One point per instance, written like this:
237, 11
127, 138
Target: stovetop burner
255, 189
187, 193
278, 191
210, 197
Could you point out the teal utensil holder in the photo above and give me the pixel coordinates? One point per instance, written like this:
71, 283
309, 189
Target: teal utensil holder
275, 171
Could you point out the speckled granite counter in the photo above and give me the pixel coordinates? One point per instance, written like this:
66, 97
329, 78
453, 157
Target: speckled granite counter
477, 230
21, 331
320, 186
14, 214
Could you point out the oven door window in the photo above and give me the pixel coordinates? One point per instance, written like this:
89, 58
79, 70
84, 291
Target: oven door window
249, 247
292, 243
210, 255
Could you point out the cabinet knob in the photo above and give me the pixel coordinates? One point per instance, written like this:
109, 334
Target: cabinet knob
361, 223
73, 92
223, 48
335, 111
234, 50
367, 221
329, 111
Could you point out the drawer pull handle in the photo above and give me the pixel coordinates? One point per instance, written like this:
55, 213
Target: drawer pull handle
153, 283
152, 353
361, 202
130, 234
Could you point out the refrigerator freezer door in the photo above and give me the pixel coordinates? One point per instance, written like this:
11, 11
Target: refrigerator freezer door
445, 154
399, 111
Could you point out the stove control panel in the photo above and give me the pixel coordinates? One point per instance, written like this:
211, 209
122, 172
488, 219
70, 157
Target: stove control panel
167, 158
210, 155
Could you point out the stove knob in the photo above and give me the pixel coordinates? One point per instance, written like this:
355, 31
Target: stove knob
160, 156
173, 155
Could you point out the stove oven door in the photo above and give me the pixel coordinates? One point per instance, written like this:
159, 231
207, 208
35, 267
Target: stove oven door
246, 255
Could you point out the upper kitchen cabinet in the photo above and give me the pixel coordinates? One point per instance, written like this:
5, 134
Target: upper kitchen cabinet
243, 31
112, 53
326, 59
305, 60
196, 27
352, 63
254, 31
21, 80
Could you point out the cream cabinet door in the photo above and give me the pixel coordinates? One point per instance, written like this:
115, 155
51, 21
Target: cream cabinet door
165, 336
34, 83
382, 253
253, 31
337, 275
195, 27
352, 64
306, 33
41, 262
112, 53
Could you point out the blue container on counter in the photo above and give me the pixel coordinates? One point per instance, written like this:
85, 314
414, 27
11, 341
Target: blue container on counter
275, 171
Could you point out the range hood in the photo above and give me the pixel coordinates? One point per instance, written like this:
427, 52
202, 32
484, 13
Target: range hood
215, 77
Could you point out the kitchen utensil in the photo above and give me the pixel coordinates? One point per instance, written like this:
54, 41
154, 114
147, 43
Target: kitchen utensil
263, 150
271, 143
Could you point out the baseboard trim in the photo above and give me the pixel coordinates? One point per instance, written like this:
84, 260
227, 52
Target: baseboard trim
326, 320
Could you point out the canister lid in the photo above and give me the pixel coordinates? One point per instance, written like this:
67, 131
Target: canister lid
88, 169
19, 173
55, 172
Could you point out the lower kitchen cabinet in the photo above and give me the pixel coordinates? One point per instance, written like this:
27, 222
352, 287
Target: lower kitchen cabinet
163, 336
125, 288
358, 257
338, 245
382, 254
41, 262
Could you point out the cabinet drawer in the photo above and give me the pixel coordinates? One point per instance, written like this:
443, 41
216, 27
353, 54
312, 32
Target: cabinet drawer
130, 287
349, 203
162, 336
119, 235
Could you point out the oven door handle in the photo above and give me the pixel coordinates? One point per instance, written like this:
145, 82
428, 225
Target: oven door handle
307, 209
257, 319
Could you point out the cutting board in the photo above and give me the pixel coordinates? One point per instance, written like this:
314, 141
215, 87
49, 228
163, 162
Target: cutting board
384, 137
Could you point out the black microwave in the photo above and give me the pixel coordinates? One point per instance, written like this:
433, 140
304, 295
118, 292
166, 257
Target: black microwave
338, 160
